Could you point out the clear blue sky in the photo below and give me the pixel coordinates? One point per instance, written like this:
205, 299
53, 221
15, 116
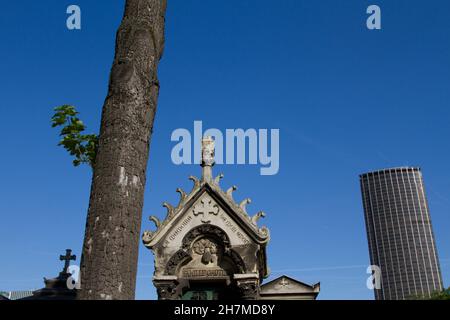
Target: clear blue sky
346, 100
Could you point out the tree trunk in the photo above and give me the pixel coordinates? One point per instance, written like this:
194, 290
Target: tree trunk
111, 243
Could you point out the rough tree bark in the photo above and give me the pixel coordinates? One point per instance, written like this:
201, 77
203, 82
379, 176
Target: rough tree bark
111, 243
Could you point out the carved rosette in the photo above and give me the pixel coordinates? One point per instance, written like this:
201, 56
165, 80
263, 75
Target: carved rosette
207, 249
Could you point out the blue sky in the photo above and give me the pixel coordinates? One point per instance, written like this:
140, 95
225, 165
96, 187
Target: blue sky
346, 100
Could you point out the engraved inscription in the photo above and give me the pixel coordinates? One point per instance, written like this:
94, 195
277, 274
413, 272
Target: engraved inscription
203, 273
180, 228
233, 228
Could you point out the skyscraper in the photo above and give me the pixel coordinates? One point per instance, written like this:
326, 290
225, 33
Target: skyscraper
400, 235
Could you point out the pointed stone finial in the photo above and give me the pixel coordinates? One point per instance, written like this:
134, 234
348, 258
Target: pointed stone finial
183, 195
230, 191
147, 236
195, 181
170, 210
258, 216
244, 203
218, 178
156, 221
207, 158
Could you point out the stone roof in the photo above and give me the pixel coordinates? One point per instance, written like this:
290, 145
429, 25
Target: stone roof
287, 286
249, 223
4, 295
15, 295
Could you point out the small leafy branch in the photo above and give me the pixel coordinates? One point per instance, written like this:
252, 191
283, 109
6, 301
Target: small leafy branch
81, 146
441, 295
437, 295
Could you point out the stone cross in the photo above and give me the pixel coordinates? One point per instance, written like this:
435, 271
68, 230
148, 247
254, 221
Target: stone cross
67, 259
206, 207
284, 283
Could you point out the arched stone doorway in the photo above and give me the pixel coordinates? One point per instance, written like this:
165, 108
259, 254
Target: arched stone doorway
208, 271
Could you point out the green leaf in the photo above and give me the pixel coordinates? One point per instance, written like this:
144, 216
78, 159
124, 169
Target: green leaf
82, 147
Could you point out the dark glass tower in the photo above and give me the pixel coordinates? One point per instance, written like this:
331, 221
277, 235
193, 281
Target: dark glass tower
400, 235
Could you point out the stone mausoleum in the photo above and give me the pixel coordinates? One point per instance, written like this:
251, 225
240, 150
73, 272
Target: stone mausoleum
209, 248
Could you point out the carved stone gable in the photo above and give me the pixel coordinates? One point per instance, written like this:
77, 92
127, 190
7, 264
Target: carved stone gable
287, 287
208, 240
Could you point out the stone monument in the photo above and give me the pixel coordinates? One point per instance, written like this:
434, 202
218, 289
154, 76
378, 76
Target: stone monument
208, 247
57, 288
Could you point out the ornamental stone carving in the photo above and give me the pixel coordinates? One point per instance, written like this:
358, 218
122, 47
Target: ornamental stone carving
208, 240
208, 152
167, 290
206, 207
205, 230
248, 289
207, 249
